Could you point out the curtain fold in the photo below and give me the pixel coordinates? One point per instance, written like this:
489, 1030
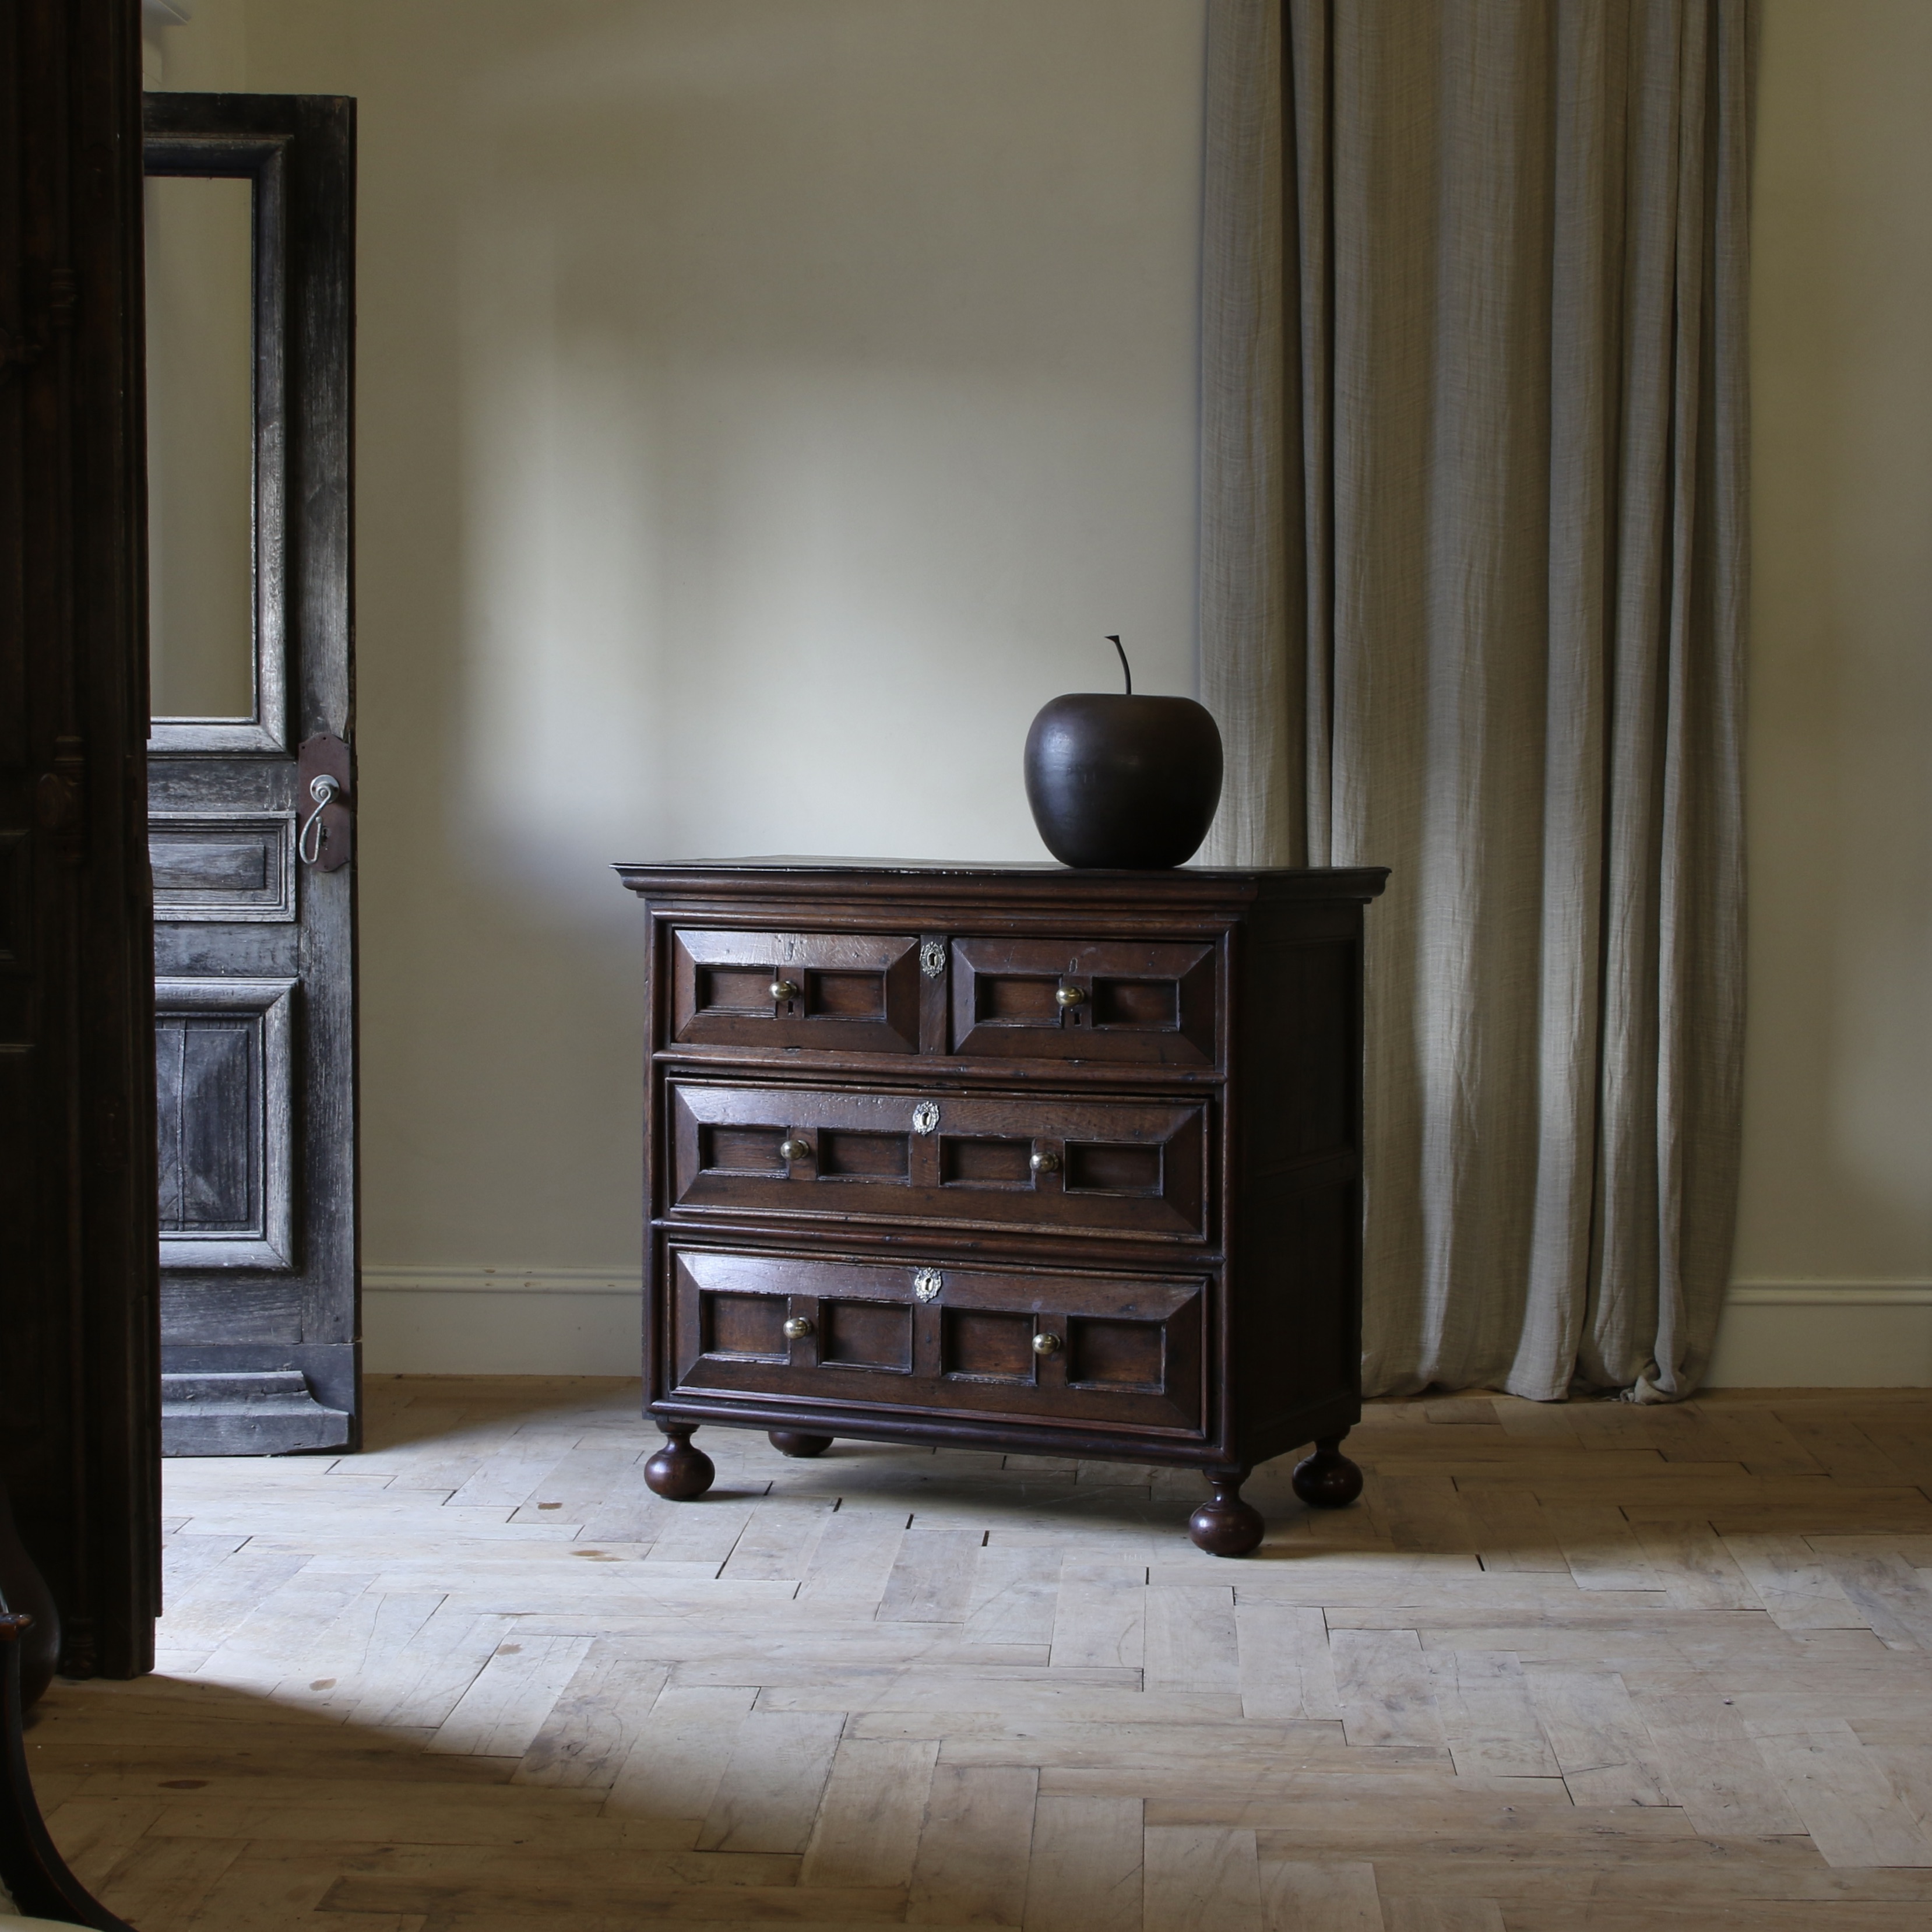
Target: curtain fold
1473, 568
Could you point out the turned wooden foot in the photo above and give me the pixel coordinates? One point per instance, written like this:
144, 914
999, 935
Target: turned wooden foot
793, 1442
1327, 1480
1224, 1525
679, 1472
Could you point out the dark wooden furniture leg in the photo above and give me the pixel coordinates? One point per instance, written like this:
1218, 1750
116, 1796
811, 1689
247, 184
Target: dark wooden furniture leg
792, 1442
679, 1472
30, 1864
1327, 1480
1224, 1525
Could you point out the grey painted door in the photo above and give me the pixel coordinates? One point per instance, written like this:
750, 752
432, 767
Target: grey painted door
250, 222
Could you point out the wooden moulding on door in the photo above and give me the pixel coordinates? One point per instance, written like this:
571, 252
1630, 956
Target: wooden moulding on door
269, 1243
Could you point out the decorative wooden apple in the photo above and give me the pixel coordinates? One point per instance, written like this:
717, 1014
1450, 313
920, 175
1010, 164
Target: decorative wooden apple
1122, 781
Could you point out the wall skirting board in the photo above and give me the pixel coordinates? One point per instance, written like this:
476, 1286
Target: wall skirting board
584, 1322
1825, 1334
501, 1322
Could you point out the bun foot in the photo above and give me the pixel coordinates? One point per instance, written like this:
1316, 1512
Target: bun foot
1224, 1525
1327, 1480
791, 1442
678, 1472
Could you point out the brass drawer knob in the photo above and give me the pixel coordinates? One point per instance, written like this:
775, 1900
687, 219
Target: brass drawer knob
792, 1150
784, 989
1044, 1344
1070, 996
1045, 1161
799, 1326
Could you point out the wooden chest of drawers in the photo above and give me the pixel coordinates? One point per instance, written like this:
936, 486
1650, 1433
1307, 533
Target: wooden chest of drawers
1016, 1157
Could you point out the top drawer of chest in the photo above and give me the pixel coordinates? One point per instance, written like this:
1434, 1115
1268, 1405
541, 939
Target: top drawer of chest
1007, 997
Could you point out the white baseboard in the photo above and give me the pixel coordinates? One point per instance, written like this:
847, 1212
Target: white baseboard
585, 1322
501, 1322
1825, 1334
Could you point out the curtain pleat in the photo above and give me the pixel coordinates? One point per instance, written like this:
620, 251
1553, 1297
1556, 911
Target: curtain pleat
1473, 570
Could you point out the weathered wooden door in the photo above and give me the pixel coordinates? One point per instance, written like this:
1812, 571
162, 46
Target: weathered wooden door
252, 782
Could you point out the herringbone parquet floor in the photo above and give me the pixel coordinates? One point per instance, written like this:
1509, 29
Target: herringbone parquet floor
1569, 1667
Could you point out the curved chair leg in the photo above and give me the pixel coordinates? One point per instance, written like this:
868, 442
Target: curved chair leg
30, 1863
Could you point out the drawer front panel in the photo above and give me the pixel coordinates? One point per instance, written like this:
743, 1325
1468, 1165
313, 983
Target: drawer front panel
1024, 1160
1044, 1346
837, 992
1149, 1001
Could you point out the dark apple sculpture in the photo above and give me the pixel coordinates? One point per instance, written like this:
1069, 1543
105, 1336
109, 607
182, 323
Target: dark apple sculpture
1122, 781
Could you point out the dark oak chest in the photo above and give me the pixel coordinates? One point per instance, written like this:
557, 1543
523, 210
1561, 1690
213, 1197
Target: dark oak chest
1015, 1157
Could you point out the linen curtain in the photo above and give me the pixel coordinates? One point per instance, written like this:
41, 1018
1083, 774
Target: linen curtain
1472, 584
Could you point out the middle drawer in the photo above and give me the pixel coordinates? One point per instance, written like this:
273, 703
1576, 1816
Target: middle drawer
1085, 1164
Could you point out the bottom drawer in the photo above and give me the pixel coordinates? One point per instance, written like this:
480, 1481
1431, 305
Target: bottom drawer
1038, 1346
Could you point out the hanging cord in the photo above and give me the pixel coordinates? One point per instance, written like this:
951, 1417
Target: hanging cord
1127, 670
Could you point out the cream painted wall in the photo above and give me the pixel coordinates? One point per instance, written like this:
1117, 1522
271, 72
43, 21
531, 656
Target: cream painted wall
1833, 1260
765, 406
766, 403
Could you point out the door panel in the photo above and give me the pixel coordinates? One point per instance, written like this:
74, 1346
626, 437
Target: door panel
254, 944
1080, 1348
223, 867
1104, 1166
223, 1070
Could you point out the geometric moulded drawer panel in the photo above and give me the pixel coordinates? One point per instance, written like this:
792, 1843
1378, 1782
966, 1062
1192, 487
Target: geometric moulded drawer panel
224, 1065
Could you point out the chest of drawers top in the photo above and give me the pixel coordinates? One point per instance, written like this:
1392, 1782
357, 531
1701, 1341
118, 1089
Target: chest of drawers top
1015, 971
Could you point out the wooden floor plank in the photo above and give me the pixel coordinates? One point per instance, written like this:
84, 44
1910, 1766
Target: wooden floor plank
1851, 1811
1383, 1686
1308, 1895
970, 1867
769, 1793
1189, 1641
1201, 1878
1601, 1743
1286, 1671
588, 1732
1085, 1869
668, 1780
1488, 1718
867, 1828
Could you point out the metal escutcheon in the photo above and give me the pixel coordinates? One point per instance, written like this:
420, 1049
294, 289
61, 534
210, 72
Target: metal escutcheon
1044, 1344
926, 1283
924, 1117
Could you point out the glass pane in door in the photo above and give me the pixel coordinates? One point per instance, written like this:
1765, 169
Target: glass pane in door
201, 446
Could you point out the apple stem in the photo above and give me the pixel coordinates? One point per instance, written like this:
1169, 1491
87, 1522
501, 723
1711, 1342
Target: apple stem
1127, 670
